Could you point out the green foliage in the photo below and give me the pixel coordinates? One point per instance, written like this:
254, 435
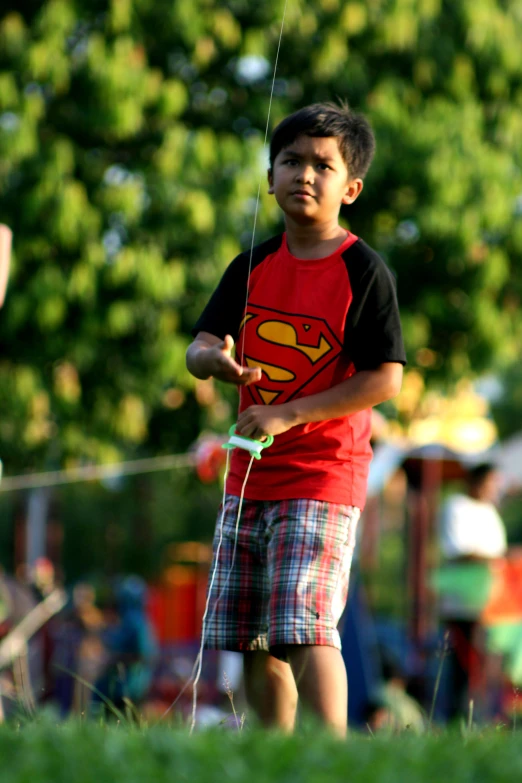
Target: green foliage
76, 753
507, 410
126, 526
123, 215
130, 153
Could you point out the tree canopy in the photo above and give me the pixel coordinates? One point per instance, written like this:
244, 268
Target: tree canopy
130, 155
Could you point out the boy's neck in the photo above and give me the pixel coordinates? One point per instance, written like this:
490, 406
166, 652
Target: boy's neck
310, 242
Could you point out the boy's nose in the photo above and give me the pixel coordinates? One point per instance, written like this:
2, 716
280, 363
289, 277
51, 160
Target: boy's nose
306, 174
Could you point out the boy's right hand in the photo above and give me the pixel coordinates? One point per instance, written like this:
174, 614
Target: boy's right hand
225, 367
215, 359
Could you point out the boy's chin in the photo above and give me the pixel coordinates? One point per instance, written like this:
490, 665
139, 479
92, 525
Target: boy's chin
304, 219
301, 211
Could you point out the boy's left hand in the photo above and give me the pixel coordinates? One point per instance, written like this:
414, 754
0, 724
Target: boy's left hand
260, 420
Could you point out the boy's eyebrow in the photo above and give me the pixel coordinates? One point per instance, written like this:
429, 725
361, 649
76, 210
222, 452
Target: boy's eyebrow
295, 154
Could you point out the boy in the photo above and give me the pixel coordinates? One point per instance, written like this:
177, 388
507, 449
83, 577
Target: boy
319, 344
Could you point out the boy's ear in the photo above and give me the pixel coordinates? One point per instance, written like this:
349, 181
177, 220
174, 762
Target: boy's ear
270, 181
353, 189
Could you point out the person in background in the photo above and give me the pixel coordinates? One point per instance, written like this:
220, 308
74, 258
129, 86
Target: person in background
470, 525
131, 646
471, 532
78, 653
393, 710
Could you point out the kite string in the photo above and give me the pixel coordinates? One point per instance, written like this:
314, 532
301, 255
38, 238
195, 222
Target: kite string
240, 505
196, 667
196, 670
261, 180
221, 592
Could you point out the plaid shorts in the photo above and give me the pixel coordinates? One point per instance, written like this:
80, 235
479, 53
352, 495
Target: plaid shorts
288, 581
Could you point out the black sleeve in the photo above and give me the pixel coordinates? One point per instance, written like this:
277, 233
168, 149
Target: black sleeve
373, 333
224, 311
222, 315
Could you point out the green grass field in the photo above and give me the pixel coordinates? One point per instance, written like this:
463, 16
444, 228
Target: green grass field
46, 752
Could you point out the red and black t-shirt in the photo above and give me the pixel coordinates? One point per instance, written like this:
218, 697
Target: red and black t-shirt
309, 325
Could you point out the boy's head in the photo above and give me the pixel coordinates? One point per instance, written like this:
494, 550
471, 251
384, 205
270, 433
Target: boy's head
353, 132
318, 156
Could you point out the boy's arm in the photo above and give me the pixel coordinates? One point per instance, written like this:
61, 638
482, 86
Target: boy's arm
208, 356
5, 254
363, 390
372, 341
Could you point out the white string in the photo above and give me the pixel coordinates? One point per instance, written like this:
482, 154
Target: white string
196, 670
236, 531
97, 472
261, 179
221, 592
198, 663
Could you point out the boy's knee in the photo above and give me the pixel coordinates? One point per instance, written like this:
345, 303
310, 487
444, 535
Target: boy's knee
280, 652
262, 669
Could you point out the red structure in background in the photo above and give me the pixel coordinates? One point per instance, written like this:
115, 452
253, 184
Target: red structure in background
427, 469
176, 604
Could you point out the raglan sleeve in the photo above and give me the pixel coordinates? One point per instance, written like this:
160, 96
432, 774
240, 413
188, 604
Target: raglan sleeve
373, 332
222, 314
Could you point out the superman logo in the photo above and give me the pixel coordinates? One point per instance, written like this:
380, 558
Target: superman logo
291, 350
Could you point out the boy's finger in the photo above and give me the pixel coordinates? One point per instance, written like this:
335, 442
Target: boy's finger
228, 344
250, 375
246, 428
253, 372
245, 379
230, 365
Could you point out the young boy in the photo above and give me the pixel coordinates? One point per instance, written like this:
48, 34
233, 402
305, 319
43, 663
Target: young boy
318, 345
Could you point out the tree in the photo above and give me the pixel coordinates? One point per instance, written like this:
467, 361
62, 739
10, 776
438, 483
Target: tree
441, 83
130, 141
122, 211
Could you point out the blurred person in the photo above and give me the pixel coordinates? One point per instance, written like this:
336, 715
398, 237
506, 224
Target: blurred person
22, 681
5, 606
78, 652
86, 612
91, 654
393, 709
131, 646
42, 582
471, 528
471, 532
42, 578
5, 611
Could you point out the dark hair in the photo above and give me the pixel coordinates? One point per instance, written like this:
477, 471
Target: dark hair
391, 665
319, 120
478, 473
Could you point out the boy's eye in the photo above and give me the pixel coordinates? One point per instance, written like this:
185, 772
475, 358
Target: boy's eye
323, 166
290, 161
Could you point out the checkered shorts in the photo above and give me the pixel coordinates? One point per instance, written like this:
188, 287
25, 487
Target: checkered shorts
289, 577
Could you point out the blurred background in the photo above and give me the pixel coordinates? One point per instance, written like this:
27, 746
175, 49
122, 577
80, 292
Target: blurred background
131, 151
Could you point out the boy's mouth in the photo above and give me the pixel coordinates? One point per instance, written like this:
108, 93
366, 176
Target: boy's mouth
302, 193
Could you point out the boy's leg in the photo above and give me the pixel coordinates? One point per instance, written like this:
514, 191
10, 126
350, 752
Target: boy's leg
320, 674
310, 553
270, 690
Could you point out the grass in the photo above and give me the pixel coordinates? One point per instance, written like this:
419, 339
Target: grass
44, 751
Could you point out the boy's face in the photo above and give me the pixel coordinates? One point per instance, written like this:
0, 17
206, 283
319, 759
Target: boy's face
488, 488
310, 180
